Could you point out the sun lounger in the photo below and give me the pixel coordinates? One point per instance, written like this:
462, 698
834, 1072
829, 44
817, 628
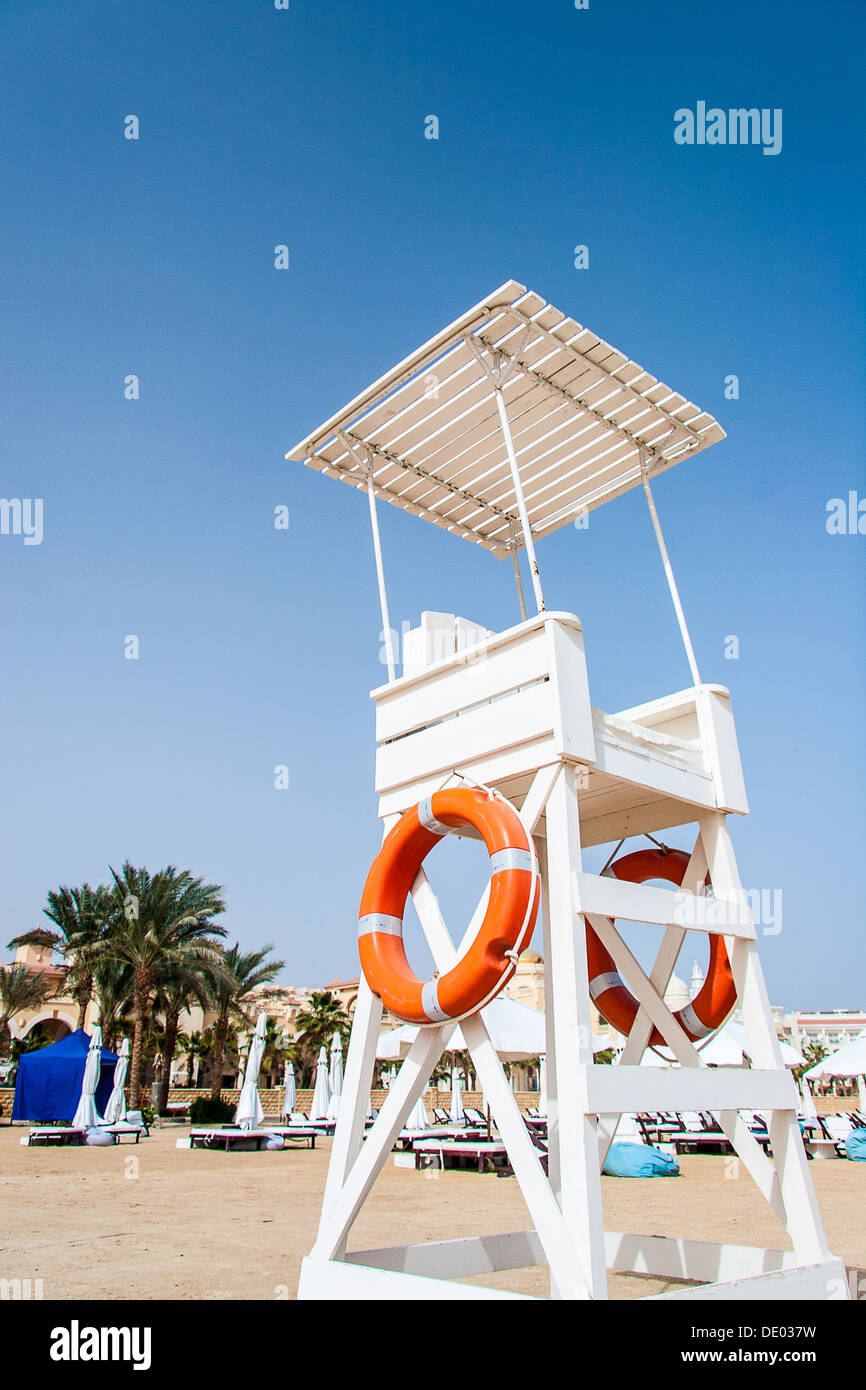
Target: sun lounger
454, 1154
694, 1136
836, 1129
135, 1117
817, 1146
475, 1117
408, 1137
630, 1130
122, 1130
296, 1132
55, 1134
539, 1140
229, 1138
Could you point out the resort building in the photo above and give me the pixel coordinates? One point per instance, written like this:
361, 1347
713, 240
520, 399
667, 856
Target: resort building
830, 1029
58, 1016
283, 1003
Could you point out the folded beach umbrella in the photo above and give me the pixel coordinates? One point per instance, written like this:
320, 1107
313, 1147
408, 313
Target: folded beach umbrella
417, 1117
290, 1095
116, 1108
322, 1092
86, 1116
335, 1076
250, 1114
456, 1111
807, 1101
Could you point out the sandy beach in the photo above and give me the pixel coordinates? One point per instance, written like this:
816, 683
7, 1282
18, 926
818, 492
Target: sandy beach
151, 1221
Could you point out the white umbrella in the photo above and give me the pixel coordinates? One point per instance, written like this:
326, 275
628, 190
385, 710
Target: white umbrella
250, 1113
86, 1115
808, 1108
729, 1048
790, 1056
322, 1093
417, 1117
393, 1045
516, 1031
456, 1111
849, 1060
335, 1076
115, 1110
290, 1093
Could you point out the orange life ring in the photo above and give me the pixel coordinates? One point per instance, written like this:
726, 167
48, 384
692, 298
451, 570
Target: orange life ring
615, 1002
508, 922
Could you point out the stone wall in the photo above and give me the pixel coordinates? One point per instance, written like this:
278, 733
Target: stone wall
272, 1100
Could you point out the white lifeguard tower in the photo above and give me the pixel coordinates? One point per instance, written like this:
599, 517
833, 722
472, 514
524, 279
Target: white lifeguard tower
514, 421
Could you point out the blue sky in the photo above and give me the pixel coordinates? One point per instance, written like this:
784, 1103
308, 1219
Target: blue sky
257, 647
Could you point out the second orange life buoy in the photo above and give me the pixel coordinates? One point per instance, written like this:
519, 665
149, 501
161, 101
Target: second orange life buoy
615, 1002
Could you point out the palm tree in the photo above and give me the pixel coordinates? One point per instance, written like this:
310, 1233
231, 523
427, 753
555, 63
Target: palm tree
323, 1017
183, 983
81, 916
163, 923
813, 1053
198, 1047
275, 1049
20, 988
112, 985
241, 972
317, 1024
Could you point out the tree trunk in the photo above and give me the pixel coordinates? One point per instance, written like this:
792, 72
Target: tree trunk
5, 1037
83, 996
220, 1033
169, 1046
140, 1003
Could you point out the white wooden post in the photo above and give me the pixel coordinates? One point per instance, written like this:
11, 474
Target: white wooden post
796, 1193
573, 1137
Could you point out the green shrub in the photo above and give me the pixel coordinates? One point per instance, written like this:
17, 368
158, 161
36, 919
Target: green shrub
206, 1111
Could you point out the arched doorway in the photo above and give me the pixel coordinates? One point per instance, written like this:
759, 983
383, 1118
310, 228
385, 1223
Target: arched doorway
51, 1029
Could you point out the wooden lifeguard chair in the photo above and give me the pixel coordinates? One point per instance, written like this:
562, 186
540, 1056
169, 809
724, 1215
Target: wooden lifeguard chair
510, 423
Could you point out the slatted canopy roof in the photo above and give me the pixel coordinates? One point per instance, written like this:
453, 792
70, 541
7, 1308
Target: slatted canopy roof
583, 417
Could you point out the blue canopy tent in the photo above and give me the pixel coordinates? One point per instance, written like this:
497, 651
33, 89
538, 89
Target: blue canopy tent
48, 1084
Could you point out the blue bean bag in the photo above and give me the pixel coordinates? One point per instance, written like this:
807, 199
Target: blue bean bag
855, 1145
641, 1161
